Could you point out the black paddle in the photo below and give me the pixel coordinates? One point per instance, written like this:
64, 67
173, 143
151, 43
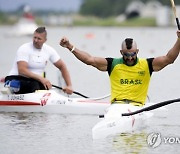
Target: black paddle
152, 107
174, 10
77, 93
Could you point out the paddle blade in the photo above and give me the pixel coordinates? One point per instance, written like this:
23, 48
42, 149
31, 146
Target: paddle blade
177, 22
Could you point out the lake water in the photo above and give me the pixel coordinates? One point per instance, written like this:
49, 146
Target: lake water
66, 134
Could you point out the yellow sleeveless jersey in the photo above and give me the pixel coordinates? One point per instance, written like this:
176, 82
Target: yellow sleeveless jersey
129, 82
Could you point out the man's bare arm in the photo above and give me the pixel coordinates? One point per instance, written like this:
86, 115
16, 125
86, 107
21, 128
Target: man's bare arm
97, 62
161, 62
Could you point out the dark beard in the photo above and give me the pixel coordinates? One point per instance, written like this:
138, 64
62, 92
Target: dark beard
126, 62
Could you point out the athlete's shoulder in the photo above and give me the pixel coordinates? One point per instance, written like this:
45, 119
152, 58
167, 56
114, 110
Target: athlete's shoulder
25, 45
46, 46
117, 61
24, 48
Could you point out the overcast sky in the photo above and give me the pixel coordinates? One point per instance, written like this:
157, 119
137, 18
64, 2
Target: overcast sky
10, 5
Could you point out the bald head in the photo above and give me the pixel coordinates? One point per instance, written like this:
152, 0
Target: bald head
128, 44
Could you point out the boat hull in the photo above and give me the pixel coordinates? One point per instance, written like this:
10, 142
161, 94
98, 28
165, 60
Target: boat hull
24, 27
50, 101
113, 122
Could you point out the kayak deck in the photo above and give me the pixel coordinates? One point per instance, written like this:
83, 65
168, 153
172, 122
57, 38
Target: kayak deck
50, 101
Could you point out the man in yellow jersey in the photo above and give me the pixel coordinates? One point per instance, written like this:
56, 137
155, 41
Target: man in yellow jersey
129, 75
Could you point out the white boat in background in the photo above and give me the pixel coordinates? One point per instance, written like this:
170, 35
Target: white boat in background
50, 101
114, 123
25, 26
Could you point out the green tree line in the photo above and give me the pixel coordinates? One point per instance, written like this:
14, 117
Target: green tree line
107, 8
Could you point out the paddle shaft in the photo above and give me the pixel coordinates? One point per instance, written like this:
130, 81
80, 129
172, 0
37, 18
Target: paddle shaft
174, 10
77, 93
152, 107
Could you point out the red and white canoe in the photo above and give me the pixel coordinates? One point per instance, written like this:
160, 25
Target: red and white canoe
50, 101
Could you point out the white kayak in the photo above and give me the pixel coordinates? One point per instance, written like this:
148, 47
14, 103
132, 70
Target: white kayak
114, 123
50, 101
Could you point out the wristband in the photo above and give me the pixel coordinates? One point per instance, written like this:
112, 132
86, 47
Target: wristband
72, 49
